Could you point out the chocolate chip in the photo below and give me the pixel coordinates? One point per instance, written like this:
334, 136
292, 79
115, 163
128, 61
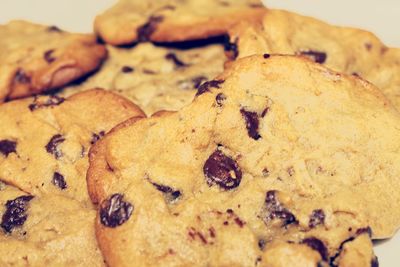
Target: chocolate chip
197, 81
127, 69
173, 57
52, 100
262, 243
52, 145
21, 77
7, 147
275, 210
266, 56
15, 213
265, 112
374, 262
59, 181
150, 72
368, 46
251, 120
317, 217
171, 195
54, 29
114, 211
48, 56
97, 137
230, 48
316, 56
145, 31
222, 170
205, 87
220, 98
317, 245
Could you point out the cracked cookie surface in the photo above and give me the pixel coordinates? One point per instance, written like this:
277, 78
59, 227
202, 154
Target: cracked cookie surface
276, 154
45, 212
37, 58
349, 50
130, 21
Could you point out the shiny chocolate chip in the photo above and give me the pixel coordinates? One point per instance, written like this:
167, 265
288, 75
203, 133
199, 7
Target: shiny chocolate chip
275, 210
15, 214
59, 181
114, 211
205, 87
222, 170
252, 123
52, 145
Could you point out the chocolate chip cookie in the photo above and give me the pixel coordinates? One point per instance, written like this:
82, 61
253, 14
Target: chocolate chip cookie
130, 21
45, 212
276, 149
156, 78
50, 230
44, 140
36, 58
352, 51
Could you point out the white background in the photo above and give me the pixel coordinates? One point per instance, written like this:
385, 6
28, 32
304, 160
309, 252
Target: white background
380, 16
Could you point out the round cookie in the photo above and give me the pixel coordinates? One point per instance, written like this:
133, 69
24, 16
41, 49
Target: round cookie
275, 149
156, 78
130, 21
46, 230
37, 58
44, 141
348, 50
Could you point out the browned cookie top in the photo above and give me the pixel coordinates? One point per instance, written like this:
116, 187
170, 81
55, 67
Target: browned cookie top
277, 148
349, 50
36, 58
172, 20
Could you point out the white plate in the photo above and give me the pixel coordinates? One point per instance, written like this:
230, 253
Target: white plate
381, 17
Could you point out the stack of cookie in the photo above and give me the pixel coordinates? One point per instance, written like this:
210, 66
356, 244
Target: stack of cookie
225, 134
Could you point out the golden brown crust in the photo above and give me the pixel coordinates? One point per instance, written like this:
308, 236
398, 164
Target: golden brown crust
178, 22
38, 58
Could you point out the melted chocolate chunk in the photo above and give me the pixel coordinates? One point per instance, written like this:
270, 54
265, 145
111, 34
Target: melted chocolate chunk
170, 194
114, 211
266, 56
197, 81
231, 49
7, 147
374, 262
220, 98
276, 210
54, 29
317, 217
316, 56
48, 56
52, 100
173, 57
205, 87
222, 170
52, 145
21, 77
145, 31
59, 181
127, 69
15, 213
252, 123
97, 137
317, 245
